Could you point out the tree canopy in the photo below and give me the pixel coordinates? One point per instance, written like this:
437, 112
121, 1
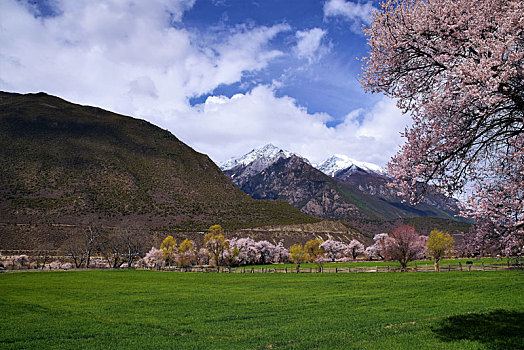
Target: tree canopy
438, 244
457, 66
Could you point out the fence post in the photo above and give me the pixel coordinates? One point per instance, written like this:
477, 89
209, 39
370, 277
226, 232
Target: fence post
387, 268
252, 270
483, 269
449, 267
460, 266
336, 269
285, 269
310, 270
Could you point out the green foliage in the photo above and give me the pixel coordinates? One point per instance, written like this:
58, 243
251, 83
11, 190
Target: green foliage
186, 246
216, 243
168, 247
148, 309
313, 250
297, 254
439, 243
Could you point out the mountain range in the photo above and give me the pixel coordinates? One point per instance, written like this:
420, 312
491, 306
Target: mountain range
337, 188
67, 166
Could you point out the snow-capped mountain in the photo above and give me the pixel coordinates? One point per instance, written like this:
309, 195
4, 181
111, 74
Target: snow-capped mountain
339, 162
265, 156
339, 187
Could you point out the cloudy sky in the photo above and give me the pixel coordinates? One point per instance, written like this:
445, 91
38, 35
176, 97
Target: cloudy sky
224, 76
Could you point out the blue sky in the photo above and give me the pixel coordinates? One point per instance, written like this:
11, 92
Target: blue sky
224, 76
326, 83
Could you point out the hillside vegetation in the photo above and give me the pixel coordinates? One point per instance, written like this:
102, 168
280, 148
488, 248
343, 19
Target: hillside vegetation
64, 163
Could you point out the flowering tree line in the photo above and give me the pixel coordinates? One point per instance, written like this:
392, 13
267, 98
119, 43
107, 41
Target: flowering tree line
404, 244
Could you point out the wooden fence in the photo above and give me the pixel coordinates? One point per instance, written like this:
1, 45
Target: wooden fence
363, 269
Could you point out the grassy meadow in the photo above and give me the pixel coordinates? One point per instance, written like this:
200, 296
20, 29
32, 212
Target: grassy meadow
382, 263
150, 309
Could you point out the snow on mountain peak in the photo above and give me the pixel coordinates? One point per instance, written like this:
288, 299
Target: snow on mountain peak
339, 162
265, 156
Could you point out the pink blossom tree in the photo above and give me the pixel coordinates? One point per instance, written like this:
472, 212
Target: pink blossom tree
281, 253
489, 239
404, 245
333, 249
354, 249
155, 258
265, 252
375, 251
203, 256
247, 250
458, 67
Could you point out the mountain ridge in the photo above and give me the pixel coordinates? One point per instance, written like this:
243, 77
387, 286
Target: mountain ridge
357, 189
63, 163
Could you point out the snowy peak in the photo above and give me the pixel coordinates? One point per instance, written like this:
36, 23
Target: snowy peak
340, 162
263, 157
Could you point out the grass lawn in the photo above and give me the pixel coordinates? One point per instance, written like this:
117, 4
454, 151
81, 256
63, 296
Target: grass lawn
365, 263
149, 309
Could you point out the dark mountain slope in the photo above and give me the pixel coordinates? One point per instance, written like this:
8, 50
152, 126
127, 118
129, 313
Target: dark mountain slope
64, 163
433, 204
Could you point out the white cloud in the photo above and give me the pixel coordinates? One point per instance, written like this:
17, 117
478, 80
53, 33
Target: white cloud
356, 13
127, 57
223, 127
309, 43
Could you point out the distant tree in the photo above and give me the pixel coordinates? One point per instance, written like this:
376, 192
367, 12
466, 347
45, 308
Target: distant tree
247, 250
203, 256
297, 255
438, 244
81, 246
186, 253
215, 243
333, 249
457, 67
376, 250
404, 245
314, 252
121, 246
281, 254
265, 252
489, 239
229, 256
134, 242
155, 258
43, 254
169, 248
111, 247
354, 249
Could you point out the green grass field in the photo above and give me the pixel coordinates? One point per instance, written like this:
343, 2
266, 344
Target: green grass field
365, 263
149, 309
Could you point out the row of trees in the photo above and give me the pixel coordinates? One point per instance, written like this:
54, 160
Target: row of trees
404, 244
125, 249
216, 250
